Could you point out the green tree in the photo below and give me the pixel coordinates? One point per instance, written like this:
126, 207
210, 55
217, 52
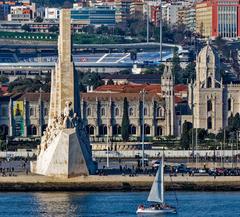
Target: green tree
102, 30
202, 134
26, 28
30, 85
119, 31
110, 82
189, 73
4, 79
158, 71
88, 29
53, 29
186, 140
39, 19
91, 79
2, 144
230, 123
125, 121
236, 122
176, 68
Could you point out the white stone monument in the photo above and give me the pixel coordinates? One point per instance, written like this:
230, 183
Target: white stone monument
65, 148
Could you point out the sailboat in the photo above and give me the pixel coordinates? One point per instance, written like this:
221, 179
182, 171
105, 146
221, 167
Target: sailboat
156, 196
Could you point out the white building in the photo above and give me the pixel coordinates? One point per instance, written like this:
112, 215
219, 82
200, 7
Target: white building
52, 13
170, 12
22, 13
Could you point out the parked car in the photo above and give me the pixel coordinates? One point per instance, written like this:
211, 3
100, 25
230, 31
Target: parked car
156, 163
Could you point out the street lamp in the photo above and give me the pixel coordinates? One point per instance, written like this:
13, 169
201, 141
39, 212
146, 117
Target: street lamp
237, 147
232, 138
143, 93
108, 128
160, 29
196, 148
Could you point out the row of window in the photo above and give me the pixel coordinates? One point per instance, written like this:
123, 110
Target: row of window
31, 130
116, 130
159, 112
32, 111
210, 106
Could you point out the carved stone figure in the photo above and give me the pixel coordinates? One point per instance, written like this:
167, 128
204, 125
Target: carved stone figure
75, 120
38, 150
68, 114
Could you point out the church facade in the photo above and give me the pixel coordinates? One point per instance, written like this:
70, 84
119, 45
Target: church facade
162, 108
212, 101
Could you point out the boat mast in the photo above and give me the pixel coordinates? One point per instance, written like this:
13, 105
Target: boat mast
162, 178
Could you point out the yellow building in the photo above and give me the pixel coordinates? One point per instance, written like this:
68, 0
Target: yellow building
204, 19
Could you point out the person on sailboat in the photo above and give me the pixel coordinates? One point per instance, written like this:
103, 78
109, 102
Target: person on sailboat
141, 206
156, 195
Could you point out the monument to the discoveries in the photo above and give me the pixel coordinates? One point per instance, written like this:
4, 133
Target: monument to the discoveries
65, 149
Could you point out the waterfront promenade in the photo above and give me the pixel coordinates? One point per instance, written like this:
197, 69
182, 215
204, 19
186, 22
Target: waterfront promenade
116, 183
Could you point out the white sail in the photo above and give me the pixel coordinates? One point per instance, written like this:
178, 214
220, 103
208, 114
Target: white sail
156, 194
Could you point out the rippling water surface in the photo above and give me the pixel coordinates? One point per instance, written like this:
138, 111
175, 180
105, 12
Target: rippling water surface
116, 204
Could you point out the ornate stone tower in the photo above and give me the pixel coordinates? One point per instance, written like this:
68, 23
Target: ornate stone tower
65, 149
167, 85
208, 91
64, 78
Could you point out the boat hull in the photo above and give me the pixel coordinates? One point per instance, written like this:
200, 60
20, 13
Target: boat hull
155, 211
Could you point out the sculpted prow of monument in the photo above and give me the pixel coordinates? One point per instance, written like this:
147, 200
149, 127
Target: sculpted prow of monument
65, 148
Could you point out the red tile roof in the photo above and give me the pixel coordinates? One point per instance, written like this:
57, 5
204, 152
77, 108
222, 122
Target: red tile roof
180, 88
131, 91
136, 88
130, 88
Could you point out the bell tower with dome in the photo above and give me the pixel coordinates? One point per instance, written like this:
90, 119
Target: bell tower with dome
208, 93
167, 85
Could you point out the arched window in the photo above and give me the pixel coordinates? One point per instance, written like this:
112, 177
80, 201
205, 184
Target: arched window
159, 131
31, 111
132, 129
32, 130
145, 111
209, 123
103, 112
4, 130
217, 85
147, 130
160, 112
130, 111
209, 105
207, 59
89, 111
90, 130
209, 82
117, 111
102, 130
229, 104
116, 130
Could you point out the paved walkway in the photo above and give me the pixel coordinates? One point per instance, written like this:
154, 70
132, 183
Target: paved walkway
31, 178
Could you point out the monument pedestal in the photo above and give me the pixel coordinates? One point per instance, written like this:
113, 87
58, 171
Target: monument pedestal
65, 148
66, 156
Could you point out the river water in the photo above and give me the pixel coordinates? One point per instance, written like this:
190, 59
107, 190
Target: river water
116, 204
